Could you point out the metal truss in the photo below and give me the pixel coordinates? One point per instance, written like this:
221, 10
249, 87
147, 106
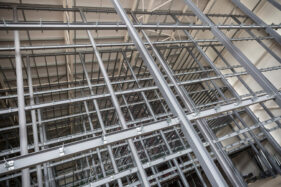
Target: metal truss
149, 110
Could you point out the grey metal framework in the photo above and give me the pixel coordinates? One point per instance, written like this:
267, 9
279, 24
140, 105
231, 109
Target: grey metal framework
143, 112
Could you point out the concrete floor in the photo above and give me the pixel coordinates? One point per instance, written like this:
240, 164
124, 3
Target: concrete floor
268, 182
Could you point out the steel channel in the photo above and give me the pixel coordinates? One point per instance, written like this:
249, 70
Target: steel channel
257, 20
237, 54
120, 26
34, 123
21, 105
117, 106
201, 153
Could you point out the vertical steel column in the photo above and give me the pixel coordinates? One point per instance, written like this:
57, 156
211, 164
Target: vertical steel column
33, 118
234, 176
212, 172
99, 118
154, 171
257, 20
21, 111
267, 155
248, 110
162, 134
235, 94
117, 106
182, 176
237, 54
251, 143
90, 120
48, 173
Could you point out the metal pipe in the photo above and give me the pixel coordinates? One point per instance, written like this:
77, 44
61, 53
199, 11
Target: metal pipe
182, 176
117, 106
99, 118
21, 111
250, 113
201, 153
55, 91
53, 153
34, 126
67, 46
257, 20
259, 41
108, 10
120, 26
233, 175
237, 54
201, 123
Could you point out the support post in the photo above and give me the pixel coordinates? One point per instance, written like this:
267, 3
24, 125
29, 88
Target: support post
114, 99
21, 111
212, 172
34, 126
257, 20
237, 54
234, 176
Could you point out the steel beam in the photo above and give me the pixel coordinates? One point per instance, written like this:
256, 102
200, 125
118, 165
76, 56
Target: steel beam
56, 91
70, 46
120, 26
21, 106
201, 153
72, 148
34, 125
203, 126
237, 54
114, 99
257, 20
111, 158
108, 10
259, 41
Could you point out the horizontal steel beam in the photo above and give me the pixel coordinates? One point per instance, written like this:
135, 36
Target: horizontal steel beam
86, 134
32, 159
114, 177
54, 103
260, 78
70, 46
53, 91
257, 20
48, 7
161, 160
121, 26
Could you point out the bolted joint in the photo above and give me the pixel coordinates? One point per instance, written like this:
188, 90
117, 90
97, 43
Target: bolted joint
140, 129
196, 113
237, 103
112, 178
169, 121
217, 108
10, 165
104, 139
61, 151
254, 98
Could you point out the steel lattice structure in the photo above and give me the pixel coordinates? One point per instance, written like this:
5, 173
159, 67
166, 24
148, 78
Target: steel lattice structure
149, 110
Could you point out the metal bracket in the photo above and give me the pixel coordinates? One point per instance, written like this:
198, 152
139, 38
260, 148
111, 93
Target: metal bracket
10, 165
61, 151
